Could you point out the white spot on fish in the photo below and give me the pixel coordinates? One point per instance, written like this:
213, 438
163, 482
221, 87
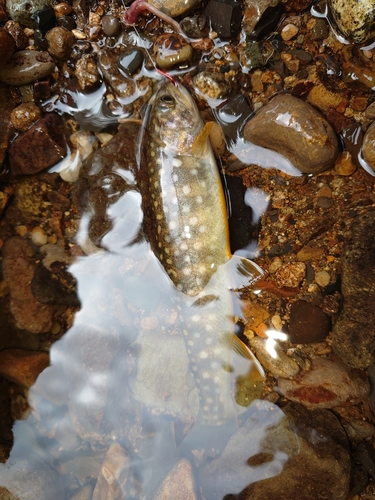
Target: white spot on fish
186, 271
196, 318
206, 375
172, 224
183, 246
199, 199
185, 208
190, 342
176, 162
175, 177
202, 229
193, 220
203, 355
197, 335
186, 189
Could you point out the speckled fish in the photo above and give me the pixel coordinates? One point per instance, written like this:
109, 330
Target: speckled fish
188, 231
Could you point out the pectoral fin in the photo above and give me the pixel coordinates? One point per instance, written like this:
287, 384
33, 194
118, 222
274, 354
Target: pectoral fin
200, 142
242, 272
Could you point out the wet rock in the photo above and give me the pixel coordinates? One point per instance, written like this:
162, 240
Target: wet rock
44, 142
84, 493
351, 332
345, 164
18, 271
327, 384
274, 360
172, 50
66, 22
25, 115
60, 42
357, 69
21, 11
44, 19
87, 72
254, 10
49, 288
7, 46
178, 484
15, 29
81, 10
293, 128
122, 86
5, 195
175, 8
276, 453
130, 62
62, 9
212, 85
195, 26
21, 366
225, 17
355, 20
308, 323
111, 25
26, 66
114, 475
255, 55
368, 146
6, 108
290, 275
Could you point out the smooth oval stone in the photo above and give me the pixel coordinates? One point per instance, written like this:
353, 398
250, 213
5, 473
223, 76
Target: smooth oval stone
174, 8
355, 19
26, 66
21, 11
296, 130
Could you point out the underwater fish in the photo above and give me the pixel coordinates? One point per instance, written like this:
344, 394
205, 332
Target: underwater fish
187, 227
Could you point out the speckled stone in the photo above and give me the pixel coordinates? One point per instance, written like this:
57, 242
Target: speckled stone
353, 337
295, 129
368, 146
26, 66
355, 19
21, 11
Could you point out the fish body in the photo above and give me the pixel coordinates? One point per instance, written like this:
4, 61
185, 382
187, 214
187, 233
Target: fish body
188, 231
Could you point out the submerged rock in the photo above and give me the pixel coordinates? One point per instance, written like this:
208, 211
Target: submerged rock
327, 384
175, 8
21, 11
277, 453
254, 10
355, 20
368, 146
353, 337
295, 129
178, 484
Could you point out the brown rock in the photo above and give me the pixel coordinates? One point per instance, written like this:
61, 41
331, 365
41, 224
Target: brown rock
26, 66
368, 146
40, 147
327, 384
6, 107
7, 46
293, 128
353, 337
87, 72
18, 272
322, 98
308, 323
25, 115
21, 366
60, 42
178, 484
15, 29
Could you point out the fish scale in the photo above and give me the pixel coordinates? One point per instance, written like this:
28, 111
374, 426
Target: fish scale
188, 232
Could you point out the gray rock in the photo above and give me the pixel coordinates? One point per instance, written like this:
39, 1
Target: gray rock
30, 478
281, 365
282, 454
21, 11
298, 131
353, 332
355, 20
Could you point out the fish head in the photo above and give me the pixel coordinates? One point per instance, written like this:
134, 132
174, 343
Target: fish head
175, 120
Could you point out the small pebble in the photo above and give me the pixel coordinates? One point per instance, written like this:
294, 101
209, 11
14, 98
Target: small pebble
322, 278
60, 42
87, 72
25, 115
273, 358
111, 25
172, 50
26, 66
288, 32
67, 22
275, 264
290, 275
62, 9
131, 61
39, 236
212, 85
344, 164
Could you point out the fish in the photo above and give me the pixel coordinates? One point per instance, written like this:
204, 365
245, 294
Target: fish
187, 227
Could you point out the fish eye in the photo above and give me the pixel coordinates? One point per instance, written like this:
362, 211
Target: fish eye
166, 102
